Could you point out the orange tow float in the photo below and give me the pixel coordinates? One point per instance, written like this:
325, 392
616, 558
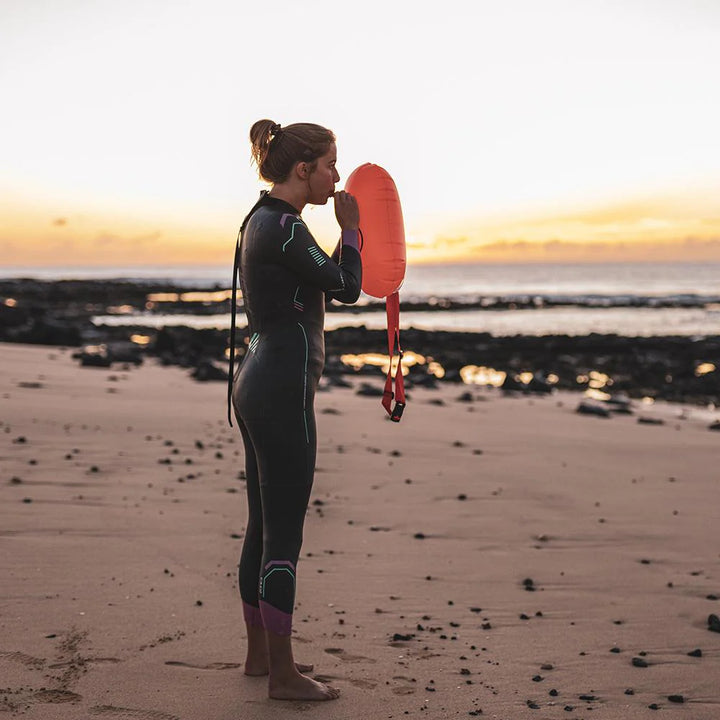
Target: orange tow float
384, 261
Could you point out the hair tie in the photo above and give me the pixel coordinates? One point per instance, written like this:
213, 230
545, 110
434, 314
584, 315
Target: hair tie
275, 129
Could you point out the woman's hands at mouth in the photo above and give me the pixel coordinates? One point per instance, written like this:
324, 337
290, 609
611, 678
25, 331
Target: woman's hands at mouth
346, 210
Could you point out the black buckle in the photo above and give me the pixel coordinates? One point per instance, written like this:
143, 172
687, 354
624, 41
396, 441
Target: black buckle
397, 411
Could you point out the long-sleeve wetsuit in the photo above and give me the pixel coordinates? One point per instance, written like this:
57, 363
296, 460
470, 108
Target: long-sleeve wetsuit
285, 279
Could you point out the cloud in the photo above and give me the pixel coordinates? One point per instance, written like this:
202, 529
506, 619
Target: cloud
519, 250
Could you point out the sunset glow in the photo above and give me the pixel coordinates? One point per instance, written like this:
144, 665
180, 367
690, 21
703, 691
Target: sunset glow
554, 131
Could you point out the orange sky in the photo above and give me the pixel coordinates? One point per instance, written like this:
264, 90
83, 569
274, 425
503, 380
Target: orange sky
659, 228
558, 130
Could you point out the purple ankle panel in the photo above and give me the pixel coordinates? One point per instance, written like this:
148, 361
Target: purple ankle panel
252, 615
350, 237
275, 621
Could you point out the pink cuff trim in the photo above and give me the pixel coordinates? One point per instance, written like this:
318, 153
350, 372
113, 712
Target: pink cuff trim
351, 238
252, 615
275, 621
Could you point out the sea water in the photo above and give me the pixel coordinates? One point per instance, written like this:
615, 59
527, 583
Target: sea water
590, 293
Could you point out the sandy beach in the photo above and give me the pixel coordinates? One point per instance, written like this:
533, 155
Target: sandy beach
502, 558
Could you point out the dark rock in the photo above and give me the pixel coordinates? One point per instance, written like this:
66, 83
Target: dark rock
336, 381
369, 390
588, 407
403, 637
95, 359
539, 385
206, 371
511, 385
619, 403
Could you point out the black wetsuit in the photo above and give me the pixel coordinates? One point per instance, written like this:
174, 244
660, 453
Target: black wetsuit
285, 279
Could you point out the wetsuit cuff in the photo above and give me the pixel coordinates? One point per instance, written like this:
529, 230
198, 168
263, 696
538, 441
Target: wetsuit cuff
350, 237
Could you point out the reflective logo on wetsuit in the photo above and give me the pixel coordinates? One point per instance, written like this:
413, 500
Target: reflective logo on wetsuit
316, 255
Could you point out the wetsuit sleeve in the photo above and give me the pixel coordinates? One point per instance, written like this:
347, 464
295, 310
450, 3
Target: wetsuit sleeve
339, 280
335, 257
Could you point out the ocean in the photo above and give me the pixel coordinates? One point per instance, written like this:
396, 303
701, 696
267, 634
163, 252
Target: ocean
633, 299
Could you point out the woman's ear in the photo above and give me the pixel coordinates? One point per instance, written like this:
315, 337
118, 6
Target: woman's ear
302, 170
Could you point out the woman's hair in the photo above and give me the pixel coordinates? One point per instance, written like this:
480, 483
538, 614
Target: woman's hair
276, 149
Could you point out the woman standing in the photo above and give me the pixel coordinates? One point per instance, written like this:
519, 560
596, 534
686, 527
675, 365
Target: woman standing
285, 278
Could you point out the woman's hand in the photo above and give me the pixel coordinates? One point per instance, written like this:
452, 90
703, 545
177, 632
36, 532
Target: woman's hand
346, 210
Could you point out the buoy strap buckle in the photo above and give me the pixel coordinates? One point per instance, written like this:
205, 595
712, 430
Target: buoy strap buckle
397, 411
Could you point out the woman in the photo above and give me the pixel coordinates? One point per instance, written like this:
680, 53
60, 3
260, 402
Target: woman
286, 279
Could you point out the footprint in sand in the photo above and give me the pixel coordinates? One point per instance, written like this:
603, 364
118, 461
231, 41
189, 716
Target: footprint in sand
364, 684
72, 663
208, 666
23, 659
347, 657
122, 713
16, 700
403, 690
55, 696
357, 682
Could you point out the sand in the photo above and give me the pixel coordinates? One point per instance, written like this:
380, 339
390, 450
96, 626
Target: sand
503, 558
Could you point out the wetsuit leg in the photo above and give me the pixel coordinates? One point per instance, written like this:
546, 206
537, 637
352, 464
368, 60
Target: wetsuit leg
251, 557
273, 395
286, 463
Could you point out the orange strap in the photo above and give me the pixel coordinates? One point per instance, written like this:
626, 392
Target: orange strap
392, 306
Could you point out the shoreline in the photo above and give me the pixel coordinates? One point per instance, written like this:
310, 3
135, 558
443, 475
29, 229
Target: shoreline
679, 368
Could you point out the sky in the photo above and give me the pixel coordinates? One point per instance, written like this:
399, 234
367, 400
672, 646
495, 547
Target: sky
515, 131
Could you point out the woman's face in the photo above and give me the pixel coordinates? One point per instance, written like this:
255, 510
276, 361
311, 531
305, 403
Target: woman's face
321, 181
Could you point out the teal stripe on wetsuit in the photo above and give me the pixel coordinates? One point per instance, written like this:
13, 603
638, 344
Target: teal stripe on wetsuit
285, 278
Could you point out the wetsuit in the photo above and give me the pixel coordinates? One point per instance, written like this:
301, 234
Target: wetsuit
285, 278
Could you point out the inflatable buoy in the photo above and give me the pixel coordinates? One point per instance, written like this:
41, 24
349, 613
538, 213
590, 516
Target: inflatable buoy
383, 260
381, 222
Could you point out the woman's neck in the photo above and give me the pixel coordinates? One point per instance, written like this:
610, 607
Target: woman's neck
293, 195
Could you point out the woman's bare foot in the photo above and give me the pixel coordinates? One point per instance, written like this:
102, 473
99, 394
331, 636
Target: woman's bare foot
300, 687
256, 657
258, 668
